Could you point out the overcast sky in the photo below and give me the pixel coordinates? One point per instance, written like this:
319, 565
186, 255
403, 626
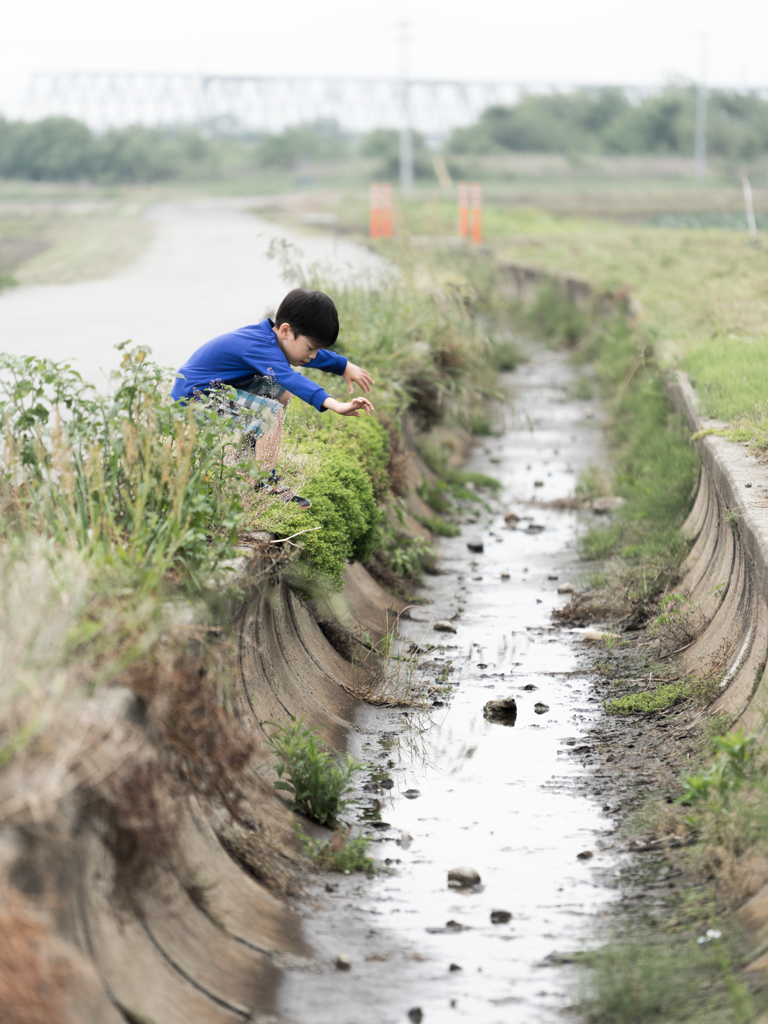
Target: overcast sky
642, 42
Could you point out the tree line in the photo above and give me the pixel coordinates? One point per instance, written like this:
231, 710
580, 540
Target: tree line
603, 120
607, 121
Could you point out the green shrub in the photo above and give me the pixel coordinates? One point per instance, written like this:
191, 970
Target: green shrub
319, 782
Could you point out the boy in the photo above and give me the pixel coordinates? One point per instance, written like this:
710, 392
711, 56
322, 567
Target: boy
305, 326
257, 362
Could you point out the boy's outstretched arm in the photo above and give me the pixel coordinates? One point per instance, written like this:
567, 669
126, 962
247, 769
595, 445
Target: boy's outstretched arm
357, 375
352, 408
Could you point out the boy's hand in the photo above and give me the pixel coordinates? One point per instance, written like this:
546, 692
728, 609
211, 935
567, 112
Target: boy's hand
349, 408
357, 375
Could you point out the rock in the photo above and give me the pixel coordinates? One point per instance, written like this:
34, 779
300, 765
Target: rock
566, 588
589, 414
476, 546
534, 528
454, 967
592, 636
411, 794
541, 709
530, 686
538, 483
415, 1016
553, 577
343, 963
463, 877
500, 917
443, 626
505, 575
330, 888
511, 517
386, 784
584, 855
405, 839
608, 503
503, 710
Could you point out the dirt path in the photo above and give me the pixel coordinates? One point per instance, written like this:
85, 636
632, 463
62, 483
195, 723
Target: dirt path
206, 272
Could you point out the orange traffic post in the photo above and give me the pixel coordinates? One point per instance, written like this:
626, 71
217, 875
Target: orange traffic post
374, 203
386, 210
463, 210
476, 199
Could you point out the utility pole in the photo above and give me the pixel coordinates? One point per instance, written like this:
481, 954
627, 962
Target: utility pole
406, 138
701, 112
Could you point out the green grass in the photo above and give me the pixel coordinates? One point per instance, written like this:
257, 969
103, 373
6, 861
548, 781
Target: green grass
650, 701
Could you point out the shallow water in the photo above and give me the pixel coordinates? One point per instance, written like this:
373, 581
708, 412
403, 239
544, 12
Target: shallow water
501, 799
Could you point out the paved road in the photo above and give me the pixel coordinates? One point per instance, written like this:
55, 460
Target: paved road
206, 272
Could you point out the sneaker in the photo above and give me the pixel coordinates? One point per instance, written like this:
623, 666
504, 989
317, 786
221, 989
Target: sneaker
284, 493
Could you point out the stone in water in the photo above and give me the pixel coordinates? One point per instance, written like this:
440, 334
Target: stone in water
566, 588
343, 963
500, 917
541, 709
463, 877
511, 517
476, 546
443, 626
503, 710
608, 503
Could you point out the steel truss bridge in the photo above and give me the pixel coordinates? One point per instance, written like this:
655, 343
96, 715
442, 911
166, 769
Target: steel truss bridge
232, 103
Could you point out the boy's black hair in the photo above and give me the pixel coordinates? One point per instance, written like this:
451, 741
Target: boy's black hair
312, 314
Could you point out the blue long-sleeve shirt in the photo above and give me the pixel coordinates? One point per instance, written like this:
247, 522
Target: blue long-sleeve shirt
241, 354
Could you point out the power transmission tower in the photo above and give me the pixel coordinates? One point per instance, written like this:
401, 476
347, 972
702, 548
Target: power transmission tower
701, 112
406, 138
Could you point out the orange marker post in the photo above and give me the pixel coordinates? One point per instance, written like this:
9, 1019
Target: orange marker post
386, 210
463, 210
374, 203
476, 199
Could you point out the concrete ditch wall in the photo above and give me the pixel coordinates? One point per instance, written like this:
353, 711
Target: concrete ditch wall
200, 935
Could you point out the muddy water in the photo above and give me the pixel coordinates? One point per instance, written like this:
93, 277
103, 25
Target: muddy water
503, 800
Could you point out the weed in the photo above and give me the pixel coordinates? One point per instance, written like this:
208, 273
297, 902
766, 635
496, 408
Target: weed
481, 426
407, 556
734, 766
342, 852
641, 978
438, 525
505, 355
319, 782
592, 483
599, 542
